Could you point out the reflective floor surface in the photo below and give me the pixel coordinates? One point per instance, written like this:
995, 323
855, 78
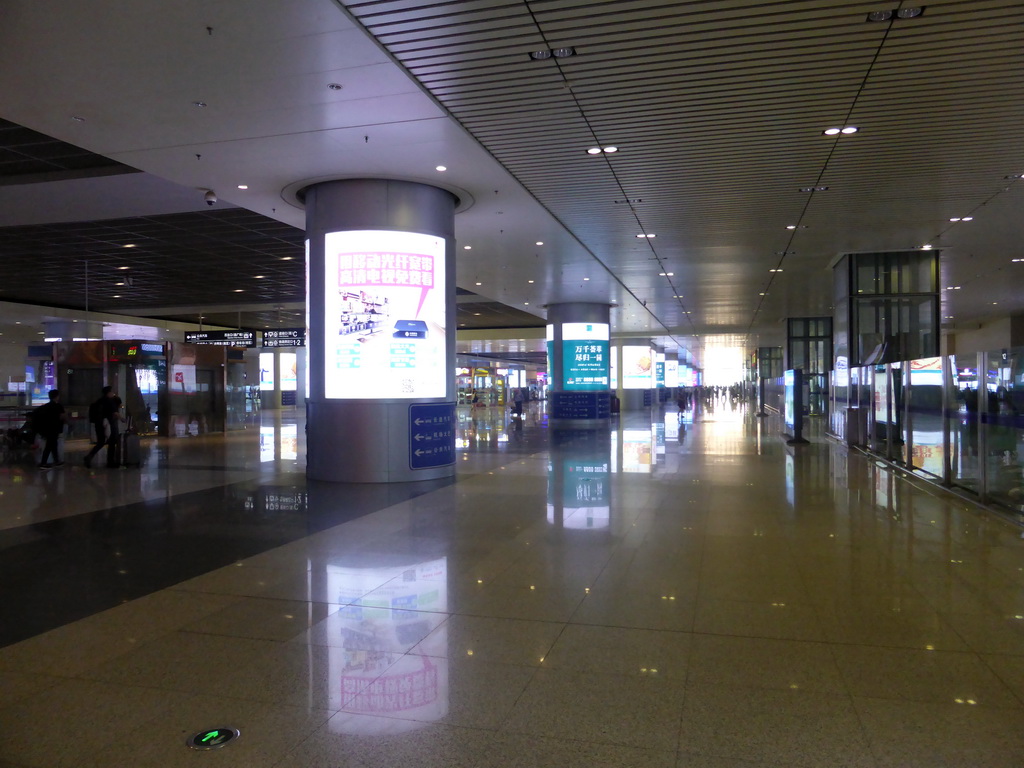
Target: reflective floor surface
680, 591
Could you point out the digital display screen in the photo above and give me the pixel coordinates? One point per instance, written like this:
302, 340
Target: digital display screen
671, 373
613, 370
266, 371
384, 315
637, 368
659, 369
790, 381
289, 371
584, 356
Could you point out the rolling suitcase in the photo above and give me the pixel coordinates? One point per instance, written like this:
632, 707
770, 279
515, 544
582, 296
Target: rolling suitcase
131, 450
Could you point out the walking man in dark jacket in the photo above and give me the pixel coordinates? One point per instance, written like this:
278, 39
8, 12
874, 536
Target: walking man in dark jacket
105, 415
48, 421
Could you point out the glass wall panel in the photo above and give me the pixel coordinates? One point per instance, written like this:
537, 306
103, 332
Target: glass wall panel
1004, 426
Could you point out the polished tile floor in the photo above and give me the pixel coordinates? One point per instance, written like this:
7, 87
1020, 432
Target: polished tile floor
687, 593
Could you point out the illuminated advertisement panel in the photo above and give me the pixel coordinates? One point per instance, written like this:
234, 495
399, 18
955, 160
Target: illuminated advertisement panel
584, 356
289, 371
266, 371
384, 315
637, 368
790, 383
550, 345
659, 369
671, 373
613, 369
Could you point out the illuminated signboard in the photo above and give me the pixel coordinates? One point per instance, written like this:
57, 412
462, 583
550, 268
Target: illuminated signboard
550, 346
384, 315
285, 337
584, 356
671, 373
637, 368
659, 369
222, 338
790, 384
289, 371
266, 371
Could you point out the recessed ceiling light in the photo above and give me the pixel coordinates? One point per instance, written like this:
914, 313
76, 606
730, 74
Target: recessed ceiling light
243, 186
1015, 261
678, 296
198, 103
117, 296
926, 247
530, 281
762, 294
238, 290
955, 218
791, 226
286, 258
118, 283
259, 277
967, 218
128, 245
879, 15
539, 242
610, 150
441, 168
467, 247
78, 119
813, 189
585, 279
335, 86
479, 283
952, 287
774, 270
594, 151
949, 317
909, 13
830, 132
850, 129
540, 55
561, 53
526, 303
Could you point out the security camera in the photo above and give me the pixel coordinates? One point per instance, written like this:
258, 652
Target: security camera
210, 197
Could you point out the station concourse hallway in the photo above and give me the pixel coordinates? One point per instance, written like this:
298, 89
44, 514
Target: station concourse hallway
682, 591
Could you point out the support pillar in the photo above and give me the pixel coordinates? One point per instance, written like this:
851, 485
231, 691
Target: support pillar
578, 362
381, 349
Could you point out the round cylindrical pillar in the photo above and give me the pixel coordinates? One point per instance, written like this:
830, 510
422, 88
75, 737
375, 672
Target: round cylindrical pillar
578, 336
381, 350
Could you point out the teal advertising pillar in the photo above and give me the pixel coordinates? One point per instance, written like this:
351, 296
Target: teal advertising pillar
578, 362
381, 348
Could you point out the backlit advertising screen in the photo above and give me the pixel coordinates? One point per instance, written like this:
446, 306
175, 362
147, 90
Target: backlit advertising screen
637, 367
671, 373
659, 369
384, 315
266, 371
584, 356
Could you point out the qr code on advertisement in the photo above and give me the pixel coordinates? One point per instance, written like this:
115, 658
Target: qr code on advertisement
407, 387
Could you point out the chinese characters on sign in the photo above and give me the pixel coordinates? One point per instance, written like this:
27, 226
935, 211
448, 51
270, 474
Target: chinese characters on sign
584, 356
384, 315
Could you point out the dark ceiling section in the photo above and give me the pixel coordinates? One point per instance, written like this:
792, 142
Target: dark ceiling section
491, 314
187, 259
26, 156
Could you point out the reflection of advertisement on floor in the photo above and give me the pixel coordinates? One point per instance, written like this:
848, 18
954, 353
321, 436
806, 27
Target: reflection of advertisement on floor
384, 315
372, 671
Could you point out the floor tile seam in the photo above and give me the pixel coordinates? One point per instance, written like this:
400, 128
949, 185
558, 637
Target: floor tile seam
1015, 691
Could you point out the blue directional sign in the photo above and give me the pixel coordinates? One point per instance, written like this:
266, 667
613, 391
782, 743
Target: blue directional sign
431, 435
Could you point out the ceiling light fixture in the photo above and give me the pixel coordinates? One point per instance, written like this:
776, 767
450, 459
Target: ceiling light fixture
610, 150
967, 218
955, 218
847, 130
813, 189
259, 277
585, 279
124, 267
441, 168
467, 247
562, 53
594, 151
927, 247
243, 186
539, 242
238, 290
198, 103
774, 270
78, 119
879, 15
530, 281
335, 86
287, 258
909, 13
540, 55
479, 283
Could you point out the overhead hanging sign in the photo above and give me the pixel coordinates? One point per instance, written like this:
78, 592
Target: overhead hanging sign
285, 337
384, 315
222, 338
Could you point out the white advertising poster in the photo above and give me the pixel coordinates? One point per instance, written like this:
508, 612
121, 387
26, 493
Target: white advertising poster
637, 368
266, 371
384, 315
289, 371
671, 373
